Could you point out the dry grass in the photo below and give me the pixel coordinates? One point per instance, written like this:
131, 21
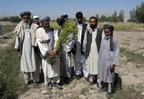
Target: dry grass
131, 56
130, 92
8, 28
10, 82
126, 26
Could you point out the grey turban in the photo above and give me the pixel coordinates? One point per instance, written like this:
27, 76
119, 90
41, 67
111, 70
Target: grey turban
46, 18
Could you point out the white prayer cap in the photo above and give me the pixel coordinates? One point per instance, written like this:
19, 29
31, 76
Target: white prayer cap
35, 17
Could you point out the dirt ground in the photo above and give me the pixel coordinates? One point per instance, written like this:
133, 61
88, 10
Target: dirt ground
81, 89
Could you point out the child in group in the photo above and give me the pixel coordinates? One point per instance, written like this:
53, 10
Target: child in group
108, 59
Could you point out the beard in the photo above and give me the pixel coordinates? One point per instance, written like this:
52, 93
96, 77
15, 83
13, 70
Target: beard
79, 22
93, 26
46, 28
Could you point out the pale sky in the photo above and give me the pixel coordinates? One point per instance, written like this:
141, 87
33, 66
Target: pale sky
55, 8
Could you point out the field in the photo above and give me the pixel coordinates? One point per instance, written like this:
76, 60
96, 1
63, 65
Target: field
129, 72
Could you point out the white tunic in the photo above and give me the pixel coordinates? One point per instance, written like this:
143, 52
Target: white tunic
27, 57
33, 29
92, 60
46, 42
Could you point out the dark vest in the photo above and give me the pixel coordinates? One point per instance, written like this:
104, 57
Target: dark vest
97, 39
59, 31
82, 36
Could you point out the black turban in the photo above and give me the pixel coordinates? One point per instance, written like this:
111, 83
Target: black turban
62, 19
110, 27
79, 15
25, 13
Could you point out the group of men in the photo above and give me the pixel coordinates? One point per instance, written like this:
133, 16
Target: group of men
35, 43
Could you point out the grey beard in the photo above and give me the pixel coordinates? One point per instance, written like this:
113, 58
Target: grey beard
46, 28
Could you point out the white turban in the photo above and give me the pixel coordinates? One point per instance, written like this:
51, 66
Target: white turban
35, 17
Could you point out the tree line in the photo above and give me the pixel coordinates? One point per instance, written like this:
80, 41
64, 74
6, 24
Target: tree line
114, 18
14, 19
137, 14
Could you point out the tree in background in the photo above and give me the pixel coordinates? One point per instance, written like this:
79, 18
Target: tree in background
120, 17
15, 19
140, 13
114, 17
137, 14
132, 16
103, 18
97, 16
84, 19
5, 19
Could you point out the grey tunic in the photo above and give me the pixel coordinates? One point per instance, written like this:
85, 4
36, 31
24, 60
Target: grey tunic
106, 58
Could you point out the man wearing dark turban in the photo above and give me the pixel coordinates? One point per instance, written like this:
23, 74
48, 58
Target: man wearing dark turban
65, 57
108, 59
24, 47
80, 61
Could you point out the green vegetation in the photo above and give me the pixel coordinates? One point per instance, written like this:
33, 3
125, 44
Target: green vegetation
118, 26
137, 14
130, 92
7, 28
131, 56
14, 19
10, 80
125, 26
113, 18
84, 90
54, 25
68, 27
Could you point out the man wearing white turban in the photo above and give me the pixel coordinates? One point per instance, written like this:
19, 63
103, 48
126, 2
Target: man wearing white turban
33, 29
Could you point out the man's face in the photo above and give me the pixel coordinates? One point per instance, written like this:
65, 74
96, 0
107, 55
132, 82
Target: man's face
46, 25
26, 18
80, 20
107, 32
36, 20
93, 23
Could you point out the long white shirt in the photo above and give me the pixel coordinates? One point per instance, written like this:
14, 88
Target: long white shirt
28, 57
46, 42
33, 29
92, 60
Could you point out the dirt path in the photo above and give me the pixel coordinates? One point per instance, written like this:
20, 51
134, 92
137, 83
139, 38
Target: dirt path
7, 41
